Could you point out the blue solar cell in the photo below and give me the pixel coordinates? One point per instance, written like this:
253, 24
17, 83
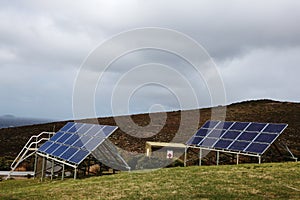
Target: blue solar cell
52, 148
202, 132
67, 126
210, 124
81, 141
239, 126
72, 139
93, 131
216, 133
60, 150
92, 144
231, 135
208, 142
69, 153
79, 156
257, 148
224, 125
64, 137
45, 146
84, 128
275, 128
75, 128
266, 138
247, 136
239, 145
256, 127
194, 140
56, 136
223, 144
108, 130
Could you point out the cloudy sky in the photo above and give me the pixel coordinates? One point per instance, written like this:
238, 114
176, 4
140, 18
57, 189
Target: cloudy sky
254, 44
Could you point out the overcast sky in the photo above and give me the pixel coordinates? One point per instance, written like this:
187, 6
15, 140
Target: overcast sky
255, 45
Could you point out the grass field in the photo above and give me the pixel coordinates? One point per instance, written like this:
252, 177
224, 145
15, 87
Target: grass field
247, 181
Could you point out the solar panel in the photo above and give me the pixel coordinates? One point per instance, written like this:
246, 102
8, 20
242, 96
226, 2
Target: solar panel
265, 137
210, 124
202, 132
75, 141
239, 126
275, 128
56, 136
256, 127
257, 148
194, 140
223, 144
224, 125
247, 137
67, 126
216, 133
231, 134
208, 142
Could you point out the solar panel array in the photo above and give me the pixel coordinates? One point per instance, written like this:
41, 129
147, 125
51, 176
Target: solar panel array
75, 141
246, 137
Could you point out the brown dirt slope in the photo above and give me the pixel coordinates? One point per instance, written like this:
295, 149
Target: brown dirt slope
13, 139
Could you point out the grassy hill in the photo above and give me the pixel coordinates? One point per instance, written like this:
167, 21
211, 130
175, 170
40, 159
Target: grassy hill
247, 181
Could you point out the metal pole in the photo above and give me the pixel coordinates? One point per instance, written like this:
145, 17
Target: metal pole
218, 156
43, 168
200, 157
63, 172
185, 155
35, 165
259, 160
237, 159
89, 163
75, 173
52, 169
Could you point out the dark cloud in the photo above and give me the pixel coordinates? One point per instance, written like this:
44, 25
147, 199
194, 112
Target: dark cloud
255, 45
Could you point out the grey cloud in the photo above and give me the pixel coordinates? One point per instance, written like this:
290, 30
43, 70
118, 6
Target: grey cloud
42, 44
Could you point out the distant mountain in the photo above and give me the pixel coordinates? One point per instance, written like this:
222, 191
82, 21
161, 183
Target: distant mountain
7, 121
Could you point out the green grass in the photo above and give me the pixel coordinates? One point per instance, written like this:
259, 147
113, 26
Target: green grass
265, 181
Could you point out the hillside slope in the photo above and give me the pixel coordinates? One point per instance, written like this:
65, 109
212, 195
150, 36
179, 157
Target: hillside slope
265, 181
13, 139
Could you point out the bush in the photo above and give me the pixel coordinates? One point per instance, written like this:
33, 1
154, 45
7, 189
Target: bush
5, 163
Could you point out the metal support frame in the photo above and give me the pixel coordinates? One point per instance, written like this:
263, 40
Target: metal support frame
290, 152
222, 151
52, 169
185, 155
237, 159
63, 172
29, 150
43, 168
200, 157
35, 165
75, 173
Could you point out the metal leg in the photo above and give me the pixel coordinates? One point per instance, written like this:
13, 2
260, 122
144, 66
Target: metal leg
52, 169
75, 173
237, 159
43, 168
185, 156
218, 157
35, 165
63, 172
259, 160
200, 157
